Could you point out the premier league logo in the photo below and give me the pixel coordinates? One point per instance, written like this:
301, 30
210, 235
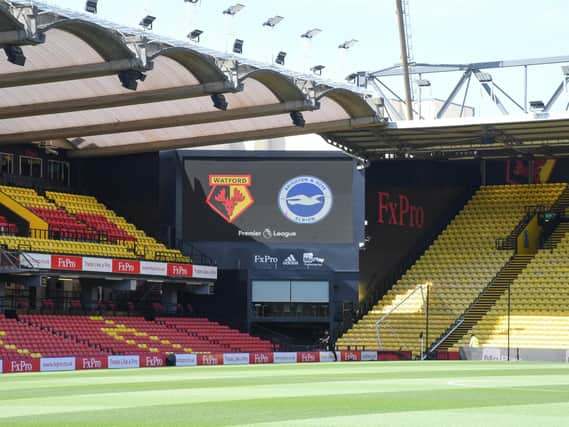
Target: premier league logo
305, 200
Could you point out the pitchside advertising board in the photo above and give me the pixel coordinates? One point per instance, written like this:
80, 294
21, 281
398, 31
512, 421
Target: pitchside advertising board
53, 364
270, 201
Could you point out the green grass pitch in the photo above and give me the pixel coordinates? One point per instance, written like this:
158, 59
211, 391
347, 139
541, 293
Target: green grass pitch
327, 394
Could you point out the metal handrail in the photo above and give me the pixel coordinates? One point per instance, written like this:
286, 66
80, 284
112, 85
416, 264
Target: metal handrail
508, 242
445, 336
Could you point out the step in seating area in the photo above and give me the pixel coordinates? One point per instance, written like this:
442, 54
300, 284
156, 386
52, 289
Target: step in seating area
18, 339
539, 306
79, 225
216, 333
456, 267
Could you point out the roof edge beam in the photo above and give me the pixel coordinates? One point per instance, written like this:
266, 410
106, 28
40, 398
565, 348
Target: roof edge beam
14, 37
157, 123
331, 126
75, 72
118, 100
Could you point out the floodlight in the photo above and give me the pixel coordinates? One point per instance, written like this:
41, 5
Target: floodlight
219, 101
232, 10
281, 58
310, 34
238, 46
483, 77
297, 119
91, 6
348, 44
273, 22
15, 55
536, 105
195, 35
423, 83
317, 69
147, 22
128, 78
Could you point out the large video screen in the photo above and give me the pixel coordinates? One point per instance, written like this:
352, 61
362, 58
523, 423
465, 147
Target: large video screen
271, 201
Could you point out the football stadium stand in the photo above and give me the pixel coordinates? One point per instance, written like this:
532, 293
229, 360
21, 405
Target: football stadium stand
76, 224
20, 340
214, 332
88, 209
135, 335
539, 311
457, 267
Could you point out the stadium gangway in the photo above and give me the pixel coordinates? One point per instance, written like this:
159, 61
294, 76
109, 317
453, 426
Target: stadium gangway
386, 315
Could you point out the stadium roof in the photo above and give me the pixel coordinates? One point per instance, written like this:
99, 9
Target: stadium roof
72, 91
534, 134
76, 91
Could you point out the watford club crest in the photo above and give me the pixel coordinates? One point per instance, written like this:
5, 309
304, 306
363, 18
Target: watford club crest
229, 195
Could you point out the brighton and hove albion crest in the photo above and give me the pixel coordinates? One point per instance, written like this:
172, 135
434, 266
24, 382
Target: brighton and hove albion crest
305, 200
229, 195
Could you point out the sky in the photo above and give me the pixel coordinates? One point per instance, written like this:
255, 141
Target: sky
442, 31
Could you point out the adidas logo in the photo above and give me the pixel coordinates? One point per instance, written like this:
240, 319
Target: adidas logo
290, 260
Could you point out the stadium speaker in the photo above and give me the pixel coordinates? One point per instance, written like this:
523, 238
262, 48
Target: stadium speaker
15, 55
129, 78
219, 101
171, 360
297, 119
10, 313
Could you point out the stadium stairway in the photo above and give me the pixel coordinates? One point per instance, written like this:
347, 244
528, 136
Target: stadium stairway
485, 301
459, 265
557, 235
561, 206
562, 202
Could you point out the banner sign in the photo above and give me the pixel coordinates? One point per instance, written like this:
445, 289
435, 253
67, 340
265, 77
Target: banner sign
116, 266
236, 359
124, 362
281, 357
261, 358
186, 359
210, 359
154, 361
20, 366
99, 362
51, 364
307, 356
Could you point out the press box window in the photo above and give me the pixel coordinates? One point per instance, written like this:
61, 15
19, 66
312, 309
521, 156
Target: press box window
6, 163
58, 171
31, 166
